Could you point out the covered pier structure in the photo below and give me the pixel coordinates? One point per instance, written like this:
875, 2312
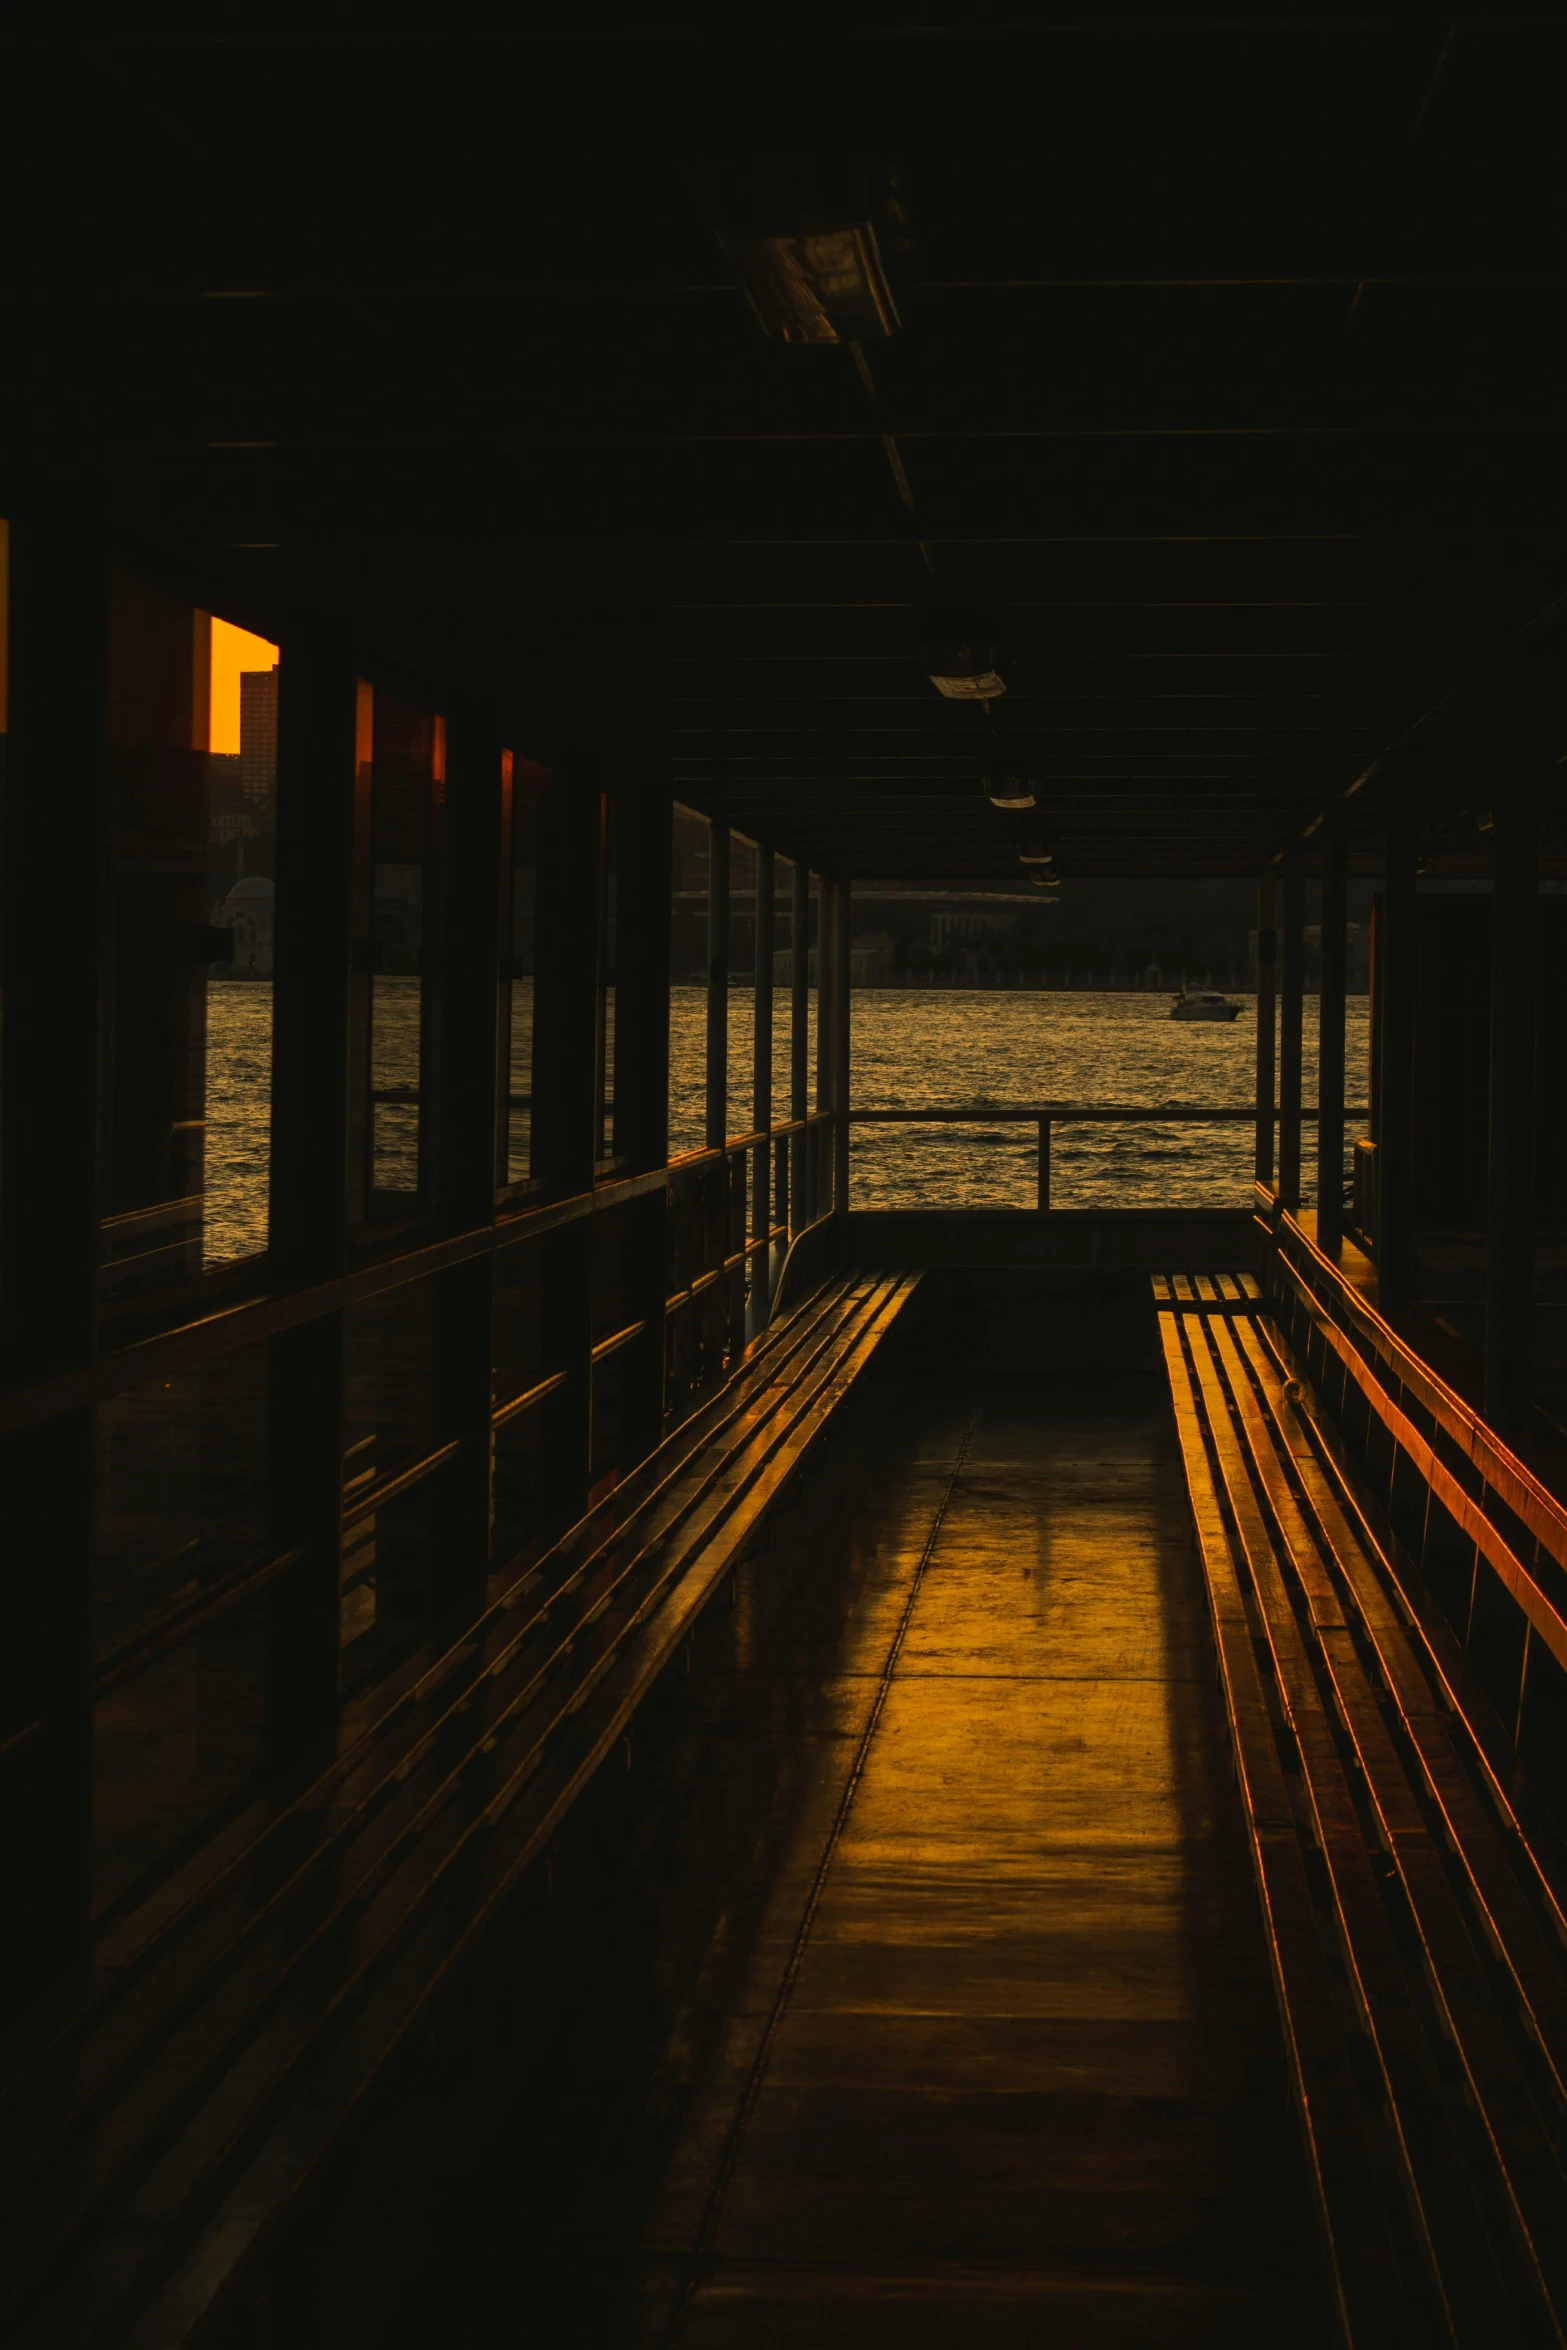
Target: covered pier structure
604, 1740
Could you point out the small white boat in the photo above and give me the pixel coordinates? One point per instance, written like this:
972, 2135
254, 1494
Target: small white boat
1200, 1003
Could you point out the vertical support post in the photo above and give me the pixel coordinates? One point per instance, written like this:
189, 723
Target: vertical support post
603, 1128
843, 974
717, 1218
564, 1116
55, 816
1292, 977
717, 985
762, 1086
1044, 1163
799, 1040
642, 1090
826, 943
324, 752
1509, 1321
1330, 1040
1395, 1095
465, 1294
1376, 947
1267, 970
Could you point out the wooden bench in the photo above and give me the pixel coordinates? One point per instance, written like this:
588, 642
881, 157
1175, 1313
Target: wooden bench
152, 2145
1417, 1934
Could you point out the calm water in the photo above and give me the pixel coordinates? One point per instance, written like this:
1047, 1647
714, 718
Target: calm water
239, 1111
911, 1046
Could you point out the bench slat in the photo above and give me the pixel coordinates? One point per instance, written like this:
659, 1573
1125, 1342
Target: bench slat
1367, 2286
1450, 2221
1458, 1969
1525, 2159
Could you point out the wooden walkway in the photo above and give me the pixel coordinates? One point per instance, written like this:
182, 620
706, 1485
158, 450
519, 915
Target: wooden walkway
1416, 1932
1001, 2066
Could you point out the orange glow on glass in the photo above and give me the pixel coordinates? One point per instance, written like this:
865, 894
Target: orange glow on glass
364, 726
233, 649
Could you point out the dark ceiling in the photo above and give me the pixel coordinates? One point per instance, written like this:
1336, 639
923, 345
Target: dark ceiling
1228, 389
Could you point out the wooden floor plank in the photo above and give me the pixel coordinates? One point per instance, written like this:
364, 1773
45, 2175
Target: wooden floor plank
1023, 2031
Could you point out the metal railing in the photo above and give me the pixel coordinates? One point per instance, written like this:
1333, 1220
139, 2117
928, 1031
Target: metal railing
732, 1213
1048, 1115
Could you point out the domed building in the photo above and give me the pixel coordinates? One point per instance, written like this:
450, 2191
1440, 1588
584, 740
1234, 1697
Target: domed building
248, 911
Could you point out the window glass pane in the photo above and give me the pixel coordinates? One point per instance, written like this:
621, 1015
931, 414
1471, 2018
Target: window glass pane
5, 683
389, 1361
742, 973
177, 1719
783, 998
178, 1752
811, 1003
688, 984
519, 1320
181, 1492
398, 902
192, 763
538, 1451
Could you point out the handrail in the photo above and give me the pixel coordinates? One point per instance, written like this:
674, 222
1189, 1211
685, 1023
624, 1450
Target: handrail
397, 1482
709, 1154
222, 1329
516, 1405
1534, 1506
185, 1617
1014, 1113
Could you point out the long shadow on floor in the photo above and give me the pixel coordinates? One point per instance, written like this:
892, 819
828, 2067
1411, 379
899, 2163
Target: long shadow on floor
622, 2135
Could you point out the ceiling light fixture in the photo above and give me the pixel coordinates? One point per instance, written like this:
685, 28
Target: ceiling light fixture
810, 238
964, 673
1006, 787
826, 287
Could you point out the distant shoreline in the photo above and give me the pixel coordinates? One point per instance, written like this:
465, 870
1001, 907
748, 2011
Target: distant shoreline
1002, 985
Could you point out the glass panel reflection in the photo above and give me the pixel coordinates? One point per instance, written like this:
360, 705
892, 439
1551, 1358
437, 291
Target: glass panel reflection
397, 1011
688, 983
178, 1647
192, 767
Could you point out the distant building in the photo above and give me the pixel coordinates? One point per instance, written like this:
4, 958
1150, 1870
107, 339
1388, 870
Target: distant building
966, 926
1357, 958
249, 911
258, 735
230, 814
870, 960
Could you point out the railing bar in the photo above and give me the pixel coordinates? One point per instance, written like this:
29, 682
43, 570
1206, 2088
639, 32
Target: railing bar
708, 1155
17, 1739
188, 1617
399, 1481
1082, 1113
617, 1339
517, 1404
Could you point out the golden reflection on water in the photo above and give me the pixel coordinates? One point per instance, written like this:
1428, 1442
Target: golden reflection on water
914, 1046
